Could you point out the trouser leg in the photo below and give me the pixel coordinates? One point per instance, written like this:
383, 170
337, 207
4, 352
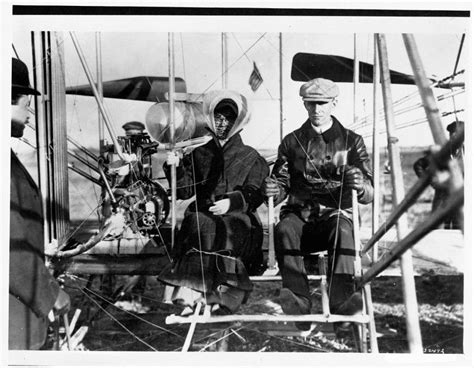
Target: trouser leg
341, 244
290, 259
341, 251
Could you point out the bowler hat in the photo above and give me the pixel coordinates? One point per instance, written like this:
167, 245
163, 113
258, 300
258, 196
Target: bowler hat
319, 89
20, 80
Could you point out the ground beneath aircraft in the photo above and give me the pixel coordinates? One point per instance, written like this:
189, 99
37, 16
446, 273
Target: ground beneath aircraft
137, 321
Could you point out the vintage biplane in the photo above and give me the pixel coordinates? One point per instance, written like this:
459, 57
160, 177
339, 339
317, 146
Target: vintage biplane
137, 210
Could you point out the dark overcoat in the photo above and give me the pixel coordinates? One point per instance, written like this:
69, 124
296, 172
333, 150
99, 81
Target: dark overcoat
32, 289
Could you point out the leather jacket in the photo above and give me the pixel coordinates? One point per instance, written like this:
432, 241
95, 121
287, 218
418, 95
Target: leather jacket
309, 167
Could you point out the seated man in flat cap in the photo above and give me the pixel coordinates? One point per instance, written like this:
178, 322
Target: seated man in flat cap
220, 237
317, 168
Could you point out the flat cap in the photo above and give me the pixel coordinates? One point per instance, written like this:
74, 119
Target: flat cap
133, 127
319, 89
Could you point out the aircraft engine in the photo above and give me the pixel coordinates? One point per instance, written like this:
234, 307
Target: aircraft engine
146, 206
130, 186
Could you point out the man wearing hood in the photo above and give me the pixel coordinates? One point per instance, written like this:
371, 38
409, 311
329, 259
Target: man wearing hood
220, 233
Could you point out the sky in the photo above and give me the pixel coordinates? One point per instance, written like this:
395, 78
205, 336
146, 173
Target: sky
133, 46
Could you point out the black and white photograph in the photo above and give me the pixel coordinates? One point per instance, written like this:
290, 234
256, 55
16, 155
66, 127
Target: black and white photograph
237, 184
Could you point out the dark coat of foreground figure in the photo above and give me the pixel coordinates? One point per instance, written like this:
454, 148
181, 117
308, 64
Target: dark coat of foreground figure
33, 290
214, 253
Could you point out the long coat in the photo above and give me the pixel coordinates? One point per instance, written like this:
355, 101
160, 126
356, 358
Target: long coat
227, 242
32, 289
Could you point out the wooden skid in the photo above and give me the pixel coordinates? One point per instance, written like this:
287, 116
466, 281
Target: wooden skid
318, 318
289, 330
264, 278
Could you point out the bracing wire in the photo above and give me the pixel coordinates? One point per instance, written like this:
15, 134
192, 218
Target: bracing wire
413, 122
48, 52
333, 263
24, 140
201, 260
250, 61
128, 343
235, 62
294, 342
14, 50
455, 69
74, 231
182, 55
216, 341
365, 121
89, 290
86, 157
118, 322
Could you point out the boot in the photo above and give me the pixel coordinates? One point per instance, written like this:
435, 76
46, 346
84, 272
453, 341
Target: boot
343, 298
230, 298
295, 304
184, 296
351, 306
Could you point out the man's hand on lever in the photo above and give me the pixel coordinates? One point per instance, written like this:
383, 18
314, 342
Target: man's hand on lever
353, 178
271, 188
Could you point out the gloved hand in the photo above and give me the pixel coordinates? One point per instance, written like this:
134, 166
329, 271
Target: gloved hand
353, 178
62, 303
173, 158
441, 176
271, 188
188, 150
440, 180
220, 207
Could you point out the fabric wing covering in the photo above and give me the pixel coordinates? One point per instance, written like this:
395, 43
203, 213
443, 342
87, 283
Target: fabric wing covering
307, 66
142, 88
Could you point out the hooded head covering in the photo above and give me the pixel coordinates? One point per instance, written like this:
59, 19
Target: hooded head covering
228, 108
227, 102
